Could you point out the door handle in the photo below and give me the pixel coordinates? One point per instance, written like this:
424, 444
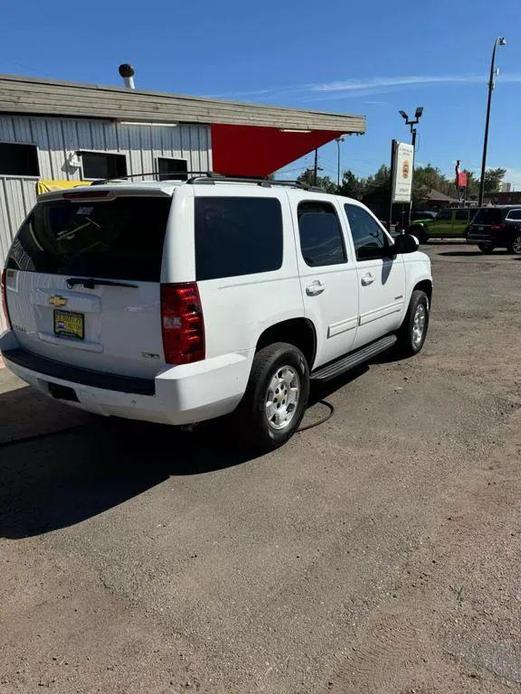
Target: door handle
315, 288
367, 279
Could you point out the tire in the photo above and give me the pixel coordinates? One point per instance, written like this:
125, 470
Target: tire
261, 426
515, 246
410, 340
486, 248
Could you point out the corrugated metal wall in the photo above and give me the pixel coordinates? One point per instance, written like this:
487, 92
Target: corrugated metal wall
56, 138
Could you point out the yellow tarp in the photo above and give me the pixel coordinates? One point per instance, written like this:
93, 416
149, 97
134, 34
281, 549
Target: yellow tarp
46, 185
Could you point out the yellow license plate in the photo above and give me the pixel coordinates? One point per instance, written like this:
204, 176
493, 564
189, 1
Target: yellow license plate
69, 324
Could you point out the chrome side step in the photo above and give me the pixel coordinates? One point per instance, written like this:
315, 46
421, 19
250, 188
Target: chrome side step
337, 367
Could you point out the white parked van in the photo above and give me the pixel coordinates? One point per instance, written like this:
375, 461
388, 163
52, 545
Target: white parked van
178, 302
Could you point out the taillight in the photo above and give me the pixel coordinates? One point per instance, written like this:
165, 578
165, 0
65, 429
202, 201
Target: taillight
182, 323
4, 297
496, 227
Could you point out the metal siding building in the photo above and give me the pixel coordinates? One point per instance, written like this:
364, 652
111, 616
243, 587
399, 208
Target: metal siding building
61, 119
56, 138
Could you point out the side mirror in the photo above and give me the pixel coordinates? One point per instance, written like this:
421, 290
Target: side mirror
405, 243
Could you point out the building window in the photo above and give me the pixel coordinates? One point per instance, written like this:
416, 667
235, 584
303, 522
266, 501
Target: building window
18, 160
102, 165
172, 169
321, 238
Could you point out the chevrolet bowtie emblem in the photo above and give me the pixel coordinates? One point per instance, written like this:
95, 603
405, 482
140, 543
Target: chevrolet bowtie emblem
58, 301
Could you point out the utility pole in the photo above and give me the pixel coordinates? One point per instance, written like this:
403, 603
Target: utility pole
338, 140
315, 168
500, 41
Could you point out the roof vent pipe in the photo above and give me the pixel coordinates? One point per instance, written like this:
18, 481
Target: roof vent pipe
127, 72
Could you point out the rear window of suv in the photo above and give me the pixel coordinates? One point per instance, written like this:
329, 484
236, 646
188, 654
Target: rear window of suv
488, 215
118, 238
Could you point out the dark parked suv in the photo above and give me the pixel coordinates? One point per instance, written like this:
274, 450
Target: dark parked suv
496, 227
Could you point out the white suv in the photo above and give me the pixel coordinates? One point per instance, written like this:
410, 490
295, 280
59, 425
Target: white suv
177, 302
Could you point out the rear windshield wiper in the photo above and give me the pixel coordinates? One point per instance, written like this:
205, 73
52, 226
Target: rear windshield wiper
90, 283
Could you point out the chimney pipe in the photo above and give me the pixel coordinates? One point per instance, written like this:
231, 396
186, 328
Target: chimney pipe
127, 72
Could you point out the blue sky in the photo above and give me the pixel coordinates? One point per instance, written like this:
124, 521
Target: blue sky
371, 58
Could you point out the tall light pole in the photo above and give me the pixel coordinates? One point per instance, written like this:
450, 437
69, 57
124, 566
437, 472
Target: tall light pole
500, 41
412, 123
338, 140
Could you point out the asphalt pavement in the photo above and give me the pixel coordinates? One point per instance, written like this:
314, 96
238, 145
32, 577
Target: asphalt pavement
378, 552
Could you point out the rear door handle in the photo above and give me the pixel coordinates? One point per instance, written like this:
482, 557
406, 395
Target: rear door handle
315, 288
367, 279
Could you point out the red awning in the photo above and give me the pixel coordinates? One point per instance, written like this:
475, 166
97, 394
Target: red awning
245, 150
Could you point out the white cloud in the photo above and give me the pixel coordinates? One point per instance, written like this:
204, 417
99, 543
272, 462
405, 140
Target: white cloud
367, 86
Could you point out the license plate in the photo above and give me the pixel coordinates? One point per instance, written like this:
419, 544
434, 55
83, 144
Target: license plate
69, 324
481, 228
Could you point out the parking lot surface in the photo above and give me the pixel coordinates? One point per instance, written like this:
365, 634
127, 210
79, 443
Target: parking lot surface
377, 552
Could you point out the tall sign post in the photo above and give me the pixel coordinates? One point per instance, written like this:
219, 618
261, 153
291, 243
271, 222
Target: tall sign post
461, 183
402, 162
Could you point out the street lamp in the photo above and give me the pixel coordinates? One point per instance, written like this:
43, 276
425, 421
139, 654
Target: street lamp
412, 122
500, 41
338, 140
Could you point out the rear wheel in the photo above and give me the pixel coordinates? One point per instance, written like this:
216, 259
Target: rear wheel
413, 332
515, 246
485, 247
276, 396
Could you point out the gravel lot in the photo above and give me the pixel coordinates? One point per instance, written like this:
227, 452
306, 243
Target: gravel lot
378, 552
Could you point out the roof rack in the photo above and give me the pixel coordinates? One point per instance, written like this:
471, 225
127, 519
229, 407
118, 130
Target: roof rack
210, 177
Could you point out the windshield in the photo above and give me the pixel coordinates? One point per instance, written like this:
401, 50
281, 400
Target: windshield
121, 238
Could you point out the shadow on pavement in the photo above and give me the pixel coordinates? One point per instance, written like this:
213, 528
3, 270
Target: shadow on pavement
62, 466
472, 253
63, 476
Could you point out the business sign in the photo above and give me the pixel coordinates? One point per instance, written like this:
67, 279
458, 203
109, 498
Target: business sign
403, 158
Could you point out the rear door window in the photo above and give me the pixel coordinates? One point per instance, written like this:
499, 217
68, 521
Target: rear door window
237, 236
462, 215
119, 238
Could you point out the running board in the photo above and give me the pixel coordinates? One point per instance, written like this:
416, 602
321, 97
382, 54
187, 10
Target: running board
324, 373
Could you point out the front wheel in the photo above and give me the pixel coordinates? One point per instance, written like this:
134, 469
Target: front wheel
486, 248
276, 396
413, 332
515, 246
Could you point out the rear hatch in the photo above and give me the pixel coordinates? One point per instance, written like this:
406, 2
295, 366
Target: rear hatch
487, 222
83, 278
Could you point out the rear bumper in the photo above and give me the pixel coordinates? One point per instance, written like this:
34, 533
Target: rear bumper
179, 395
501, 239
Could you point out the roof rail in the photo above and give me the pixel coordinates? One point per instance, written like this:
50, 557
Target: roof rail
211, 177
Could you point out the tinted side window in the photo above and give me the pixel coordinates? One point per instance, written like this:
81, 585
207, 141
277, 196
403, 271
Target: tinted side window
514, 214
237, 236
444, 215
321, 239
462, 215
368, 236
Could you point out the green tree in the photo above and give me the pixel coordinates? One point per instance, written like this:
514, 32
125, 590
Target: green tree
352, 186
493, 179
307, 177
